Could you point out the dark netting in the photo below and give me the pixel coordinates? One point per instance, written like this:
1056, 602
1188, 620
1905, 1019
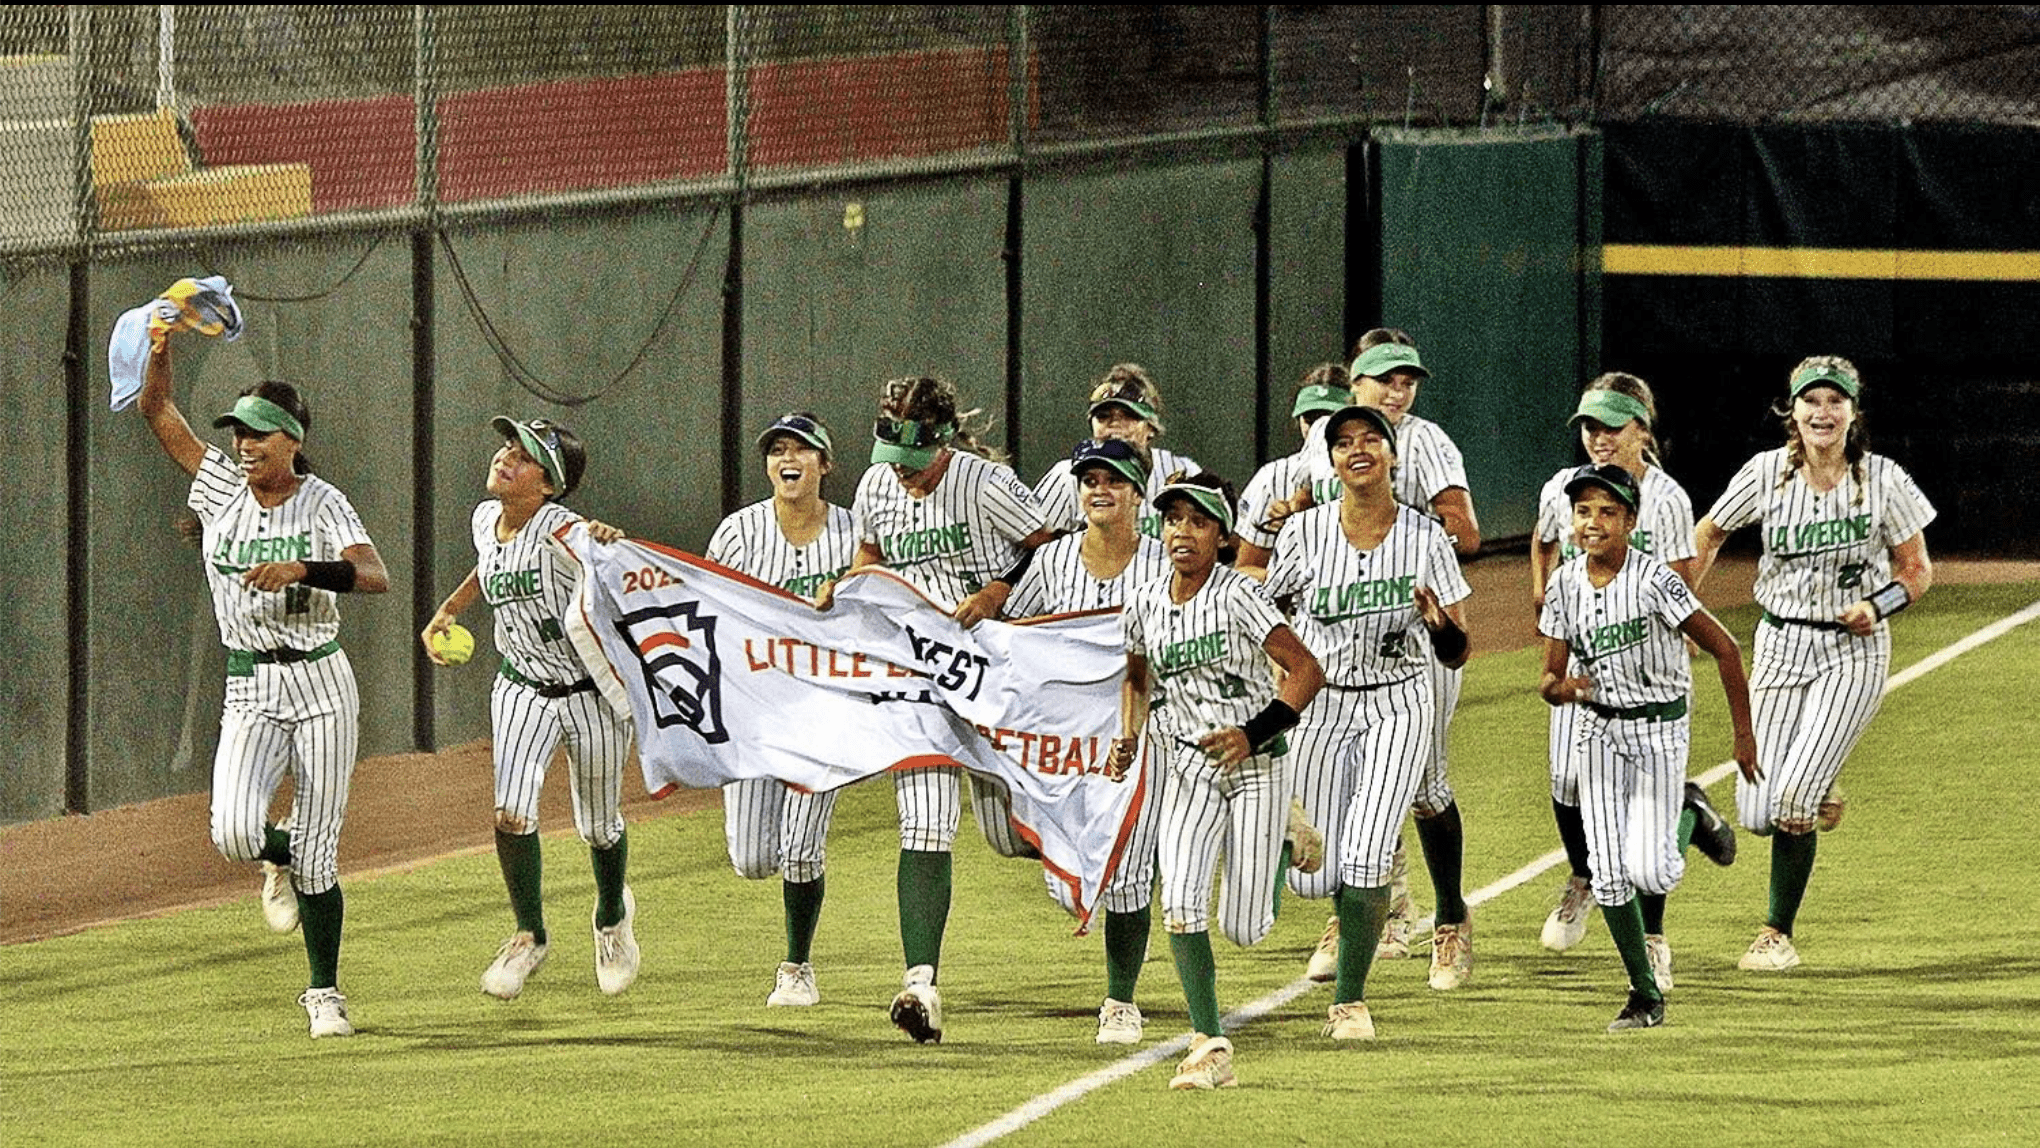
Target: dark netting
1121, 71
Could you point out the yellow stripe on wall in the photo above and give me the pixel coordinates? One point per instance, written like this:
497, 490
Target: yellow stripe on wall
1821, 263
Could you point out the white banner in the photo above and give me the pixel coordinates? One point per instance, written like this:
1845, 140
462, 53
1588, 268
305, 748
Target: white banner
729, 678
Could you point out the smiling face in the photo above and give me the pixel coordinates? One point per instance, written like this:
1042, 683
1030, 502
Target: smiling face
1190, 537
1118, 422
267, 459
1394, 394
1106, 497
514, 474
1622, 445
1823, 415
794, 469
1601, 523
1361, 457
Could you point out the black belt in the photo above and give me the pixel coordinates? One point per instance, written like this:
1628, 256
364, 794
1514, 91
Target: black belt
1650, 711
1373, 687
545, 689
242, 663
1809, 623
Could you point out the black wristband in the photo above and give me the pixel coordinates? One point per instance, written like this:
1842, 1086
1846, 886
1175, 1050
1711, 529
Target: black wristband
335, 576
1890, 599
1449, 642
1273, 721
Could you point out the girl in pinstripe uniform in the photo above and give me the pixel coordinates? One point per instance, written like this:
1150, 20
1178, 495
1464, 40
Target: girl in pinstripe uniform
937, 510
1616, 615
1844, 550
1127, 405
1617, 417
1199, 641
799, 543
1094, 571
542, 698
1326, 388
281, 545
1376, 593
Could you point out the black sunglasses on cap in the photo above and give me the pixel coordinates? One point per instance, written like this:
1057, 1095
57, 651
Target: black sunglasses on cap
908, 433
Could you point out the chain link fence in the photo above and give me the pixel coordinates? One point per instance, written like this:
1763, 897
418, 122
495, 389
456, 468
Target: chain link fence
137, 124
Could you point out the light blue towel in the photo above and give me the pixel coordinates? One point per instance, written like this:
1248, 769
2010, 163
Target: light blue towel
203, 305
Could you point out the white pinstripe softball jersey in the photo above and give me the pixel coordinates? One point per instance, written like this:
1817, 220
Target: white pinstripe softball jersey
1356, 609
315, 524
958, 537
1427, 462
1823, 552
1058, 582
751, 542
1625, 634
1063, 509
1206, 664
528, 590
1664, 521
1278, 480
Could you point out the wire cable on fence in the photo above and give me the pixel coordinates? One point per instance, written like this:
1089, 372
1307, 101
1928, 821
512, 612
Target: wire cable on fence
247, 296
523, 375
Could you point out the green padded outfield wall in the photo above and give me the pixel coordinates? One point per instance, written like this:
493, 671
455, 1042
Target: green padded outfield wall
1482, 265
575, 299
155, 665
35, 688
845, 290
1306, 279
1154, 266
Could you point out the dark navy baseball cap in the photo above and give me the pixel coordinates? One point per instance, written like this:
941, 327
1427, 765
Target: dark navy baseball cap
1609, 477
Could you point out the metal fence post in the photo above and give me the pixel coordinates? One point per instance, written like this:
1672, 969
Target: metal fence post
1019, 89
737, 107
78, 426
425, 91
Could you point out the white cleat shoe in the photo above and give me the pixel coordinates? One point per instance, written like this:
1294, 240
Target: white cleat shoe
796, 987
1567, 925
1209, 1064
616, 949
917, 1010
1771, 952
1452, 955
1324, 960
1660, 953
279, 900
1120, 1022
327, 1010
1396, 934
1349, 1021
519, 957
1829, 816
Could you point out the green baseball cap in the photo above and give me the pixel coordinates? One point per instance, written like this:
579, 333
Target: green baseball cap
261, 416
1388, 358
1609, 477
1611, 409
541, 440
1211, 502
1809, 377
1319, 400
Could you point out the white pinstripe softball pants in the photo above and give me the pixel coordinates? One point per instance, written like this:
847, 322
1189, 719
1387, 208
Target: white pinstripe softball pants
772, 828
301, 718
1813, 693
1241, 813
1632, 784
529, 727
1434, 791
1358, 757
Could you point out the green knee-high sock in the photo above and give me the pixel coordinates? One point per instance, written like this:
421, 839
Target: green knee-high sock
1652, 908
1572, 831
1281, 877
1444, 842
523, 874
1688, 821
1791, 869
924, 884
803, 901
1362, 912
275, 845
610, 866
322, 914
1625, 924
1199, 974
1126, 938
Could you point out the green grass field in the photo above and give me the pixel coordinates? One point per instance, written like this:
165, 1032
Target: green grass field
1916, 1017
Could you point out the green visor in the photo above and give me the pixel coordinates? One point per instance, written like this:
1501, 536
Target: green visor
1319, 400
1386, 359
261, 416
1823, 376
904, 442
1612, 409
1141, 410
1210, 501
539, 440
802, 427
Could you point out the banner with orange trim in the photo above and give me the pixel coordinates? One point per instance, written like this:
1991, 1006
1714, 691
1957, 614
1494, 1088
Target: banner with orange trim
729, 678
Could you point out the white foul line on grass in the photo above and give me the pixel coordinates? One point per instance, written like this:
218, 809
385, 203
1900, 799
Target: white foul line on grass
1148, 1057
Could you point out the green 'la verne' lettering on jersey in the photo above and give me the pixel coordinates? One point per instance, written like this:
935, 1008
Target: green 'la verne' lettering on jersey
807, 585
510, 585
1604, 640
1190, 653
934, 542
1807, 537
235, 555
1334, 603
